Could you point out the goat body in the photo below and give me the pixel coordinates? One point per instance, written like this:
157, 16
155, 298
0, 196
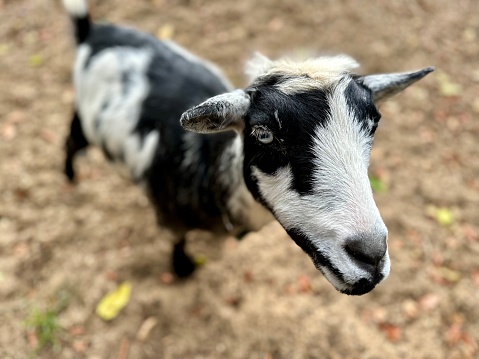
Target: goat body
297, 140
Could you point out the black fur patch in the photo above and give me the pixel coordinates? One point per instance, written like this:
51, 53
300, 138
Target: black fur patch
126, 82
75, 142
188, 197
82, 28
293, 119
360, 101
318, 258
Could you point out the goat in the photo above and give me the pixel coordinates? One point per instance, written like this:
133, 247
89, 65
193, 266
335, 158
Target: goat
294, 145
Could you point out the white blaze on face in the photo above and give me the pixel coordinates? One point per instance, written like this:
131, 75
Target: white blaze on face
342, 204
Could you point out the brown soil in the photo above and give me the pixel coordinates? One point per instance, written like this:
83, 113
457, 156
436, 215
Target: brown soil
260, 297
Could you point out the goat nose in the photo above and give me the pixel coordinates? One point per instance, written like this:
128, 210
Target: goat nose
366, 248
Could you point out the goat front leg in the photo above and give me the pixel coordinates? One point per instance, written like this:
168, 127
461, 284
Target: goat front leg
183, 264
75, 142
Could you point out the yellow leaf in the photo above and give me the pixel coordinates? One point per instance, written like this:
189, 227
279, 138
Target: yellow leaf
450, 275
377, 185
200, 260
4, 49
165, 32
446, 86
444, 216
36, 60
111, 304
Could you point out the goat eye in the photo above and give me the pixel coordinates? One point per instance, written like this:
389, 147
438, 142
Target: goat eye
265, 137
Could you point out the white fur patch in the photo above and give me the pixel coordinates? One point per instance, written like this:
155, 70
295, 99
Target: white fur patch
342, 205
138, 156
110, 92
305, 75
241, 205
76, 8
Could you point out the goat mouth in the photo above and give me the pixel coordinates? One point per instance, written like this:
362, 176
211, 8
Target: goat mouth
363, 286
334, 275
360, 287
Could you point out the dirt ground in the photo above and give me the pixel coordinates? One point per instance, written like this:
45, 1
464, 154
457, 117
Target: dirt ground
260, 297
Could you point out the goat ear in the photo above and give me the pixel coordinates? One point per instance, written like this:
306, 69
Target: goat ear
387, 85
220, 113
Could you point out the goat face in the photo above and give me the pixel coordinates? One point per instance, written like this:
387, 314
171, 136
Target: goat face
308, 130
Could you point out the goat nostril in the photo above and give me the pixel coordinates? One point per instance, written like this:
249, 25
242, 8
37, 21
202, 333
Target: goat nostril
361, 256
365, 249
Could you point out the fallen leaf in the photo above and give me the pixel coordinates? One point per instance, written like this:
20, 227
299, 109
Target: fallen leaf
454, 334
80, 345
429, 301
248, 276
32, 338
446, 86
379, 315
475, 277
469, 34
36, 60
200, 260
437, 258
450, 275
276, 24
111, 275
167, 278
469, 339
290, 289
9, 131
393, 332
21, 193
470, 233
4, 49
441, 215
165, 32
124, 349
410, 308
444, 217
304, 284
146, 328
21, 249
16, 116
48, 135
77, 330
233, 300
111, 304
377, 184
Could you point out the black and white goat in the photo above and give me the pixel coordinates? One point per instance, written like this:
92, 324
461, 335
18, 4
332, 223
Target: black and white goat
295, 144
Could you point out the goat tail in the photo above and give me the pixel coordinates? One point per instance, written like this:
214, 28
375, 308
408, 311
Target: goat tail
78, 11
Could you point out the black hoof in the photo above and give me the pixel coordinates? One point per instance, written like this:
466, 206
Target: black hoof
183, 265
69, 172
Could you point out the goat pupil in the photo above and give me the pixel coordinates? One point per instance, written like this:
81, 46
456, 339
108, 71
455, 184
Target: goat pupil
266, 137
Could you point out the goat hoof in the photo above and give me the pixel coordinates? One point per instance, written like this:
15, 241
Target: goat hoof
69, 173
183, 265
